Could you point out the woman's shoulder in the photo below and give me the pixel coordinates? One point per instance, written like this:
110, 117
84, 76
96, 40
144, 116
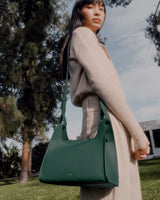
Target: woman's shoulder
84, 32
83, 29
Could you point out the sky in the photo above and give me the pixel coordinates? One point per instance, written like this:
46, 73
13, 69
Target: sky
133, 57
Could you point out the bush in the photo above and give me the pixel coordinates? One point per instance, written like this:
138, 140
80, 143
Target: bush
37, 156
10, 163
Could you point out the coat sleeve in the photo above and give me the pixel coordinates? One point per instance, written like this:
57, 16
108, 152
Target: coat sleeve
104, 80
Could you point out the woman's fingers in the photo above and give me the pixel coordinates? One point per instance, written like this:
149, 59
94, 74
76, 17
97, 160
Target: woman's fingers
140, 154
145, 150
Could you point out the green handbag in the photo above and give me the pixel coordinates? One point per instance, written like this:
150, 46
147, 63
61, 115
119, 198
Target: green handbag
89, 162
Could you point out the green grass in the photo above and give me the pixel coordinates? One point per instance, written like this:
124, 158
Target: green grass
150, 179
34, 190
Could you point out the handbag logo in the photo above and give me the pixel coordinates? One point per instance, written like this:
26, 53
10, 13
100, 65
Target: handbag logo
69, 174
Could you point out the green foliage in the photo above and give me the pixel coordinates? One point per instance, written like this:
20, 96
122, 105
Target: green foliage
10, 117
9, 162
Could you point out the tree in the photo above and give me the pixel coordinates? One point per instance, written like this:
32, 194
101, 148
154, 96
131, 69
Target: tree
30, 36
153, 31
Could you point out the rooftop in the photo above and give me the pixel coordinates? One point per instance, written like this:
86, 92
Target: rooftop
150, 125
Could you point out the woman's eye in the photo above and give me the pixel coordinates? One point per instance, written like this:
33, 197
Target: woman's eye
90, 6
101, 8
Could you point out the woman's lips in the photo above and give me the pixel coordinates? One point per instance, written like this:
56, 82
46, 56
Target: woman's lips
97, 20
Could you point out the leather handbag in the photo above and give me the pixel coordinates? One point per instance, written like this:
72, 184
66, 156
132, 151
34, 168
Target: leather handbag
89, 162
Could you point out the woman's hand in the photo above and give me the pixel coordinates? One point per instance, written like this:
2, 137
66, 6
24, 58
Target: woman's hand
140, 154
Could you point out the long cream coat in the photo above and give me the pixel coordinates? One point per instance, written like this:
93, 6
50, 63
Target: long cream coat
92, 73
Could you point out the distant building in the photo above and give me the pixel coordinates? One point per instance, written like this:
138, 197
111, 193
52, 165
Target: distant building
152, 131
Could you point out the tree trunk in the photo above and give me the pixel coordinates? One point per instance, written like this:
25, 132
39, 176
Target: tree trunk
24, 166
30, 160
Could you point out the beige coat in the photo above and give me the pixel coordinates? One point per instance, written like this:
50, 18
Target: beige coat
92, 73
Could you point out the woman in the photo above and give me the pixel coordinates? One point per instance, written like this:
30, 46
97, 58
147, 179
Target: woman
92, 74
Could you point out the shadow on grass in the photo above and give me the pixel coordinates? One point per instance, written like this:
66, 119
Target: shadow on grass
152, 175
154, 162
8, 182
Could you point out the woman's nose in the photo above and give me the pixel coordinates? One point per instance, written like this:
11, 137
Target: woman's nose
96, 10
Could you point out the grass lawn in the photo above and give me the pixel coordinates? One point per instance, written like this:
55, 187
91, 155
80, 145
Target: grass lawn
150, 179
34, 190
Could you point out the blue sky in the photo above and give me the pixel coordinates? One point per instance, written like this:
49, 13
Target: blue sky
132, 55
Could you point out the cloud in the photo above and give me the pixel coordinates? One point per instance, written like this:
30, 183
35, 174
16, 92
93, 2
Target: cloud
142, 88
148, 112
143, 81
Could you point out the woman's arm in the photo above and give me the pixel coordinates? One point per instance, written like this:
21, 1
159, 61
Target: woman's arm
104, 80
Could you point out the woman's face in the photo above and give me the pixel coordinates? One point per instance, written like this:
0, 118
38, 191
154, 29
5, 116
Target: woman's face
94, 15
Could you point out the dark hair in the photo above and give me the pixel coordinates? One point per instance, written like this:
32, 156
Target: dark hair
75, 22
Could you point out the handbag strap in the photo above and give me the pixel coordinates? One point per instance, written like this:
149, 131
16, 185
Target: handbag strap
64, 100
